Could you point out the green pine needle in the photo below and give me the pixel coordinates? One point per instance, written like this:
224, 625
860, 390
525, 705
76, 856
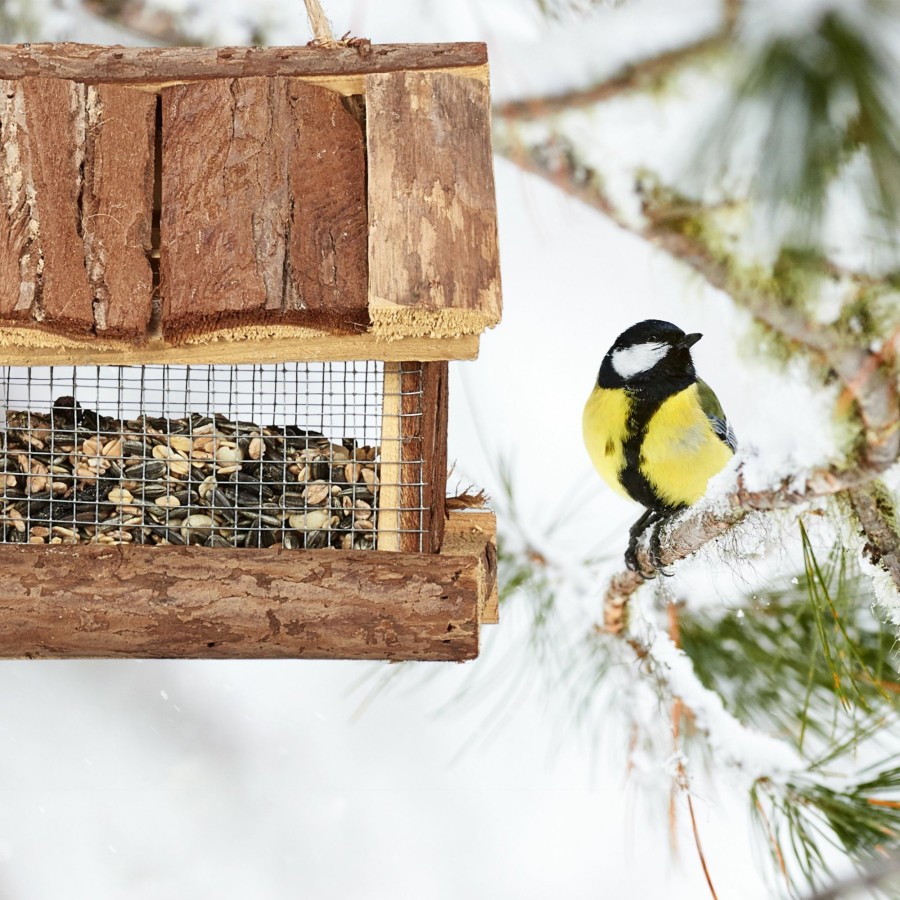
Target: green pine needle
801, 818
842, 655
808, 658
817, 100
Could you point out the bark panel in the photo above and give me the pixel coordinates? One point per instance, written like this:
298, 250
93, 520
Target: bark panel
118, 208
433, 253
76, 180
423, 443
133, 601
263, 208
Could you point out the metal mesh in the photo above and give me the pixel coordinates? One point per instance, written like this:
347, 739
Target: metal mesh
286, 455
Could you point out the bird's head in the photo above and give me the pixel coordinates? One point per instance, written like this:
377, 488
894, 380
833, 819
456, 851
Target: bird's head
651, 353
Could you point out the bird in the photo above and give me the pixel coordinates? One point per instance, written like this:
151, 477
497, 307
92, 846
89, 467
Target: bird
654, 431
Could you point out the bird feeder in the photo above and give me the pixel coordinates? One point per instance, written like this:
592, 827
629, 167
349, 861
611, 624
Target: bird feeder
230, 284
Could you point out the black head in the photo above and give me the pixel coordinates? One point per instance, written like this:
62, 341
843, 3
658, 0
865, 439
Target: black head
652, 356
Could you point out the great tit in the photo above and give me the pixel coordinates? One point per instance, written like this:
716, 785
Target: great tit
654, 431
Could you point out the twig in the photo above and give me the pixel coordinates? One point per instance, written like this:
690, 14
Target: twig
134, 16
700, 853
633, 77
879, 527
874, 875
731, 12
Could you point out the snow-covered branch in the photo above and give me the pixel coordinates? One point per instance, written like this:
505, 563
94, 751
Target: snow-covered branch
710, 520
752, 752
868, 376
637, 76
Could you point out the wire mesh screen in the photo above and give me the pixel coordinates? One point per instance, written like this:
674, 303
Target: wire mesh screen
286, 455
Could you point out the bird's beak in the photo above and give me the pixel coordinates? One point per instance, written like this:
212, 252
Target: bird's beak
689, 340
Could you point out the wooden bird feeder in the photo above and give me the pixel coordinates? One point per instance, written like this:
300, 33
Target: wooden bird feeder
230, 284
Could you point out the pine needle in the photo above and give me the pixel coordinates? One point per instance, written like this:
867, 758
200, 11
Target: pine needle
808, 658
700, 853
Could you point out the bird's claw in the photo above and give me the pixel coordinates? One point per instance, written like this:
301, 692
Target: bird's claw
654, 522
656, 551
633, 564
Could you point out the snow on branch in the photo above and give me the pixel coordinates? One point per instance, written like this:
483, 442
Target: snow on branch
753, 753
868, 376
708, 521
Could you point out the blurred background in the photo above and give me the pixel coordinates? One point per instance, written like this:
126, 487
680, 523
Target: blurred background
733, 167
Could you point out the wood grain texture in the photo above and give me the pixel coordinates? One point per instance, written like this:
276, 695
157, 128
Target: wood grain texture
390, 471
154, 602
117, 208
327, 242
19, 252
147, 65
55, 123
433, 254
263, 208
76, 205
423, 455
475, 534
26, 346
436, 407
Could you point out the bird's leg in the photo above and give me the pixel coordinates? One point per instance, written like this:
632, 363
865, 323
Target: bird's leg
656, 543
643, 523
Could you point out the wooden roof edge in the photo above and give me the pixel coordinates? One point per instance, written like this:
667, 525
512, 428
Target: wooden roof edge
29, 346
94, 63
392, 323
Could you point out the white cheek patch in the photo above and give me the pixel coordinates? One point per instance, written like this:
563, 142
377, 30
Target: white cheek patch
631, 361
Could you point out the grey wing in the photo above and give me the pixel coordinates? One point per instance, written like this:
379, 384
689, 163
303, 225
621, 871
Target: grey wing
716, 415
724, 432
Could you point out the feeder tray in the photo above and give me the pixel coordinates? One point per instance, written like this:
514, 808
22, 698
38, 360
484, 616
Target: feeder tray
230, 283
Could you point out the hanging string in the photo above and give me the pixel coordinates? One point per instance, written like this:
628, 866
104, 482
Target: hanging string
321, 27
322, 36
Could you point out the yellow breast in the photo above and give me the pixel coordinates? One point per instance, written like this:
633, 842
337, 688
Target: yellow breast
604, 426
680, 451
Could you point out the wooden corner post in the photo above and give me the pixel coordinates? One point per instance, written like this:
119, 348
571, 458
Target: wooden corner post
413, 469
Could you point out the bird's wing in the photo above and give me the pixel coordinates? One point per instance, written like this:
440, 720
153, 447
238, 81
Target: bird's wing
709, 402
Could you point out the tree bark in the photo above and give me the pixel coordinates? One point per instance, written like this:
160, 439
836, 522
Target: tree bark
194, 602
138, 65
263, 208
433, 253
76, 201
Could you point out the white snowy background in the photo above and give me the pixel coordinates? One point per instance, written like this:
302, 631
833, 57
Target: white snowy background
290, 779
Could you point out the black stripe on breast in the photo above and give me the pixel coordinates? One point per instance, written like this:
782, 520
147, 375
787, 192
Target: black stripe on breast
638, 487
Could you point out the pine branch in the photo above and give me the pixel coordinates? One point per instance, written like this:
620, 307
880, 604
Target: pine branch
704, 524
861, 817
868, 377
877, 518
729, 741
801, 805
637, 76
880, 874
800, 658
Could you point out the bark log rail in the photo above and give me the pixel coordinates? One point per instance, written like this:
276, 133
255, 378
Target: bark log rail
88, 601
